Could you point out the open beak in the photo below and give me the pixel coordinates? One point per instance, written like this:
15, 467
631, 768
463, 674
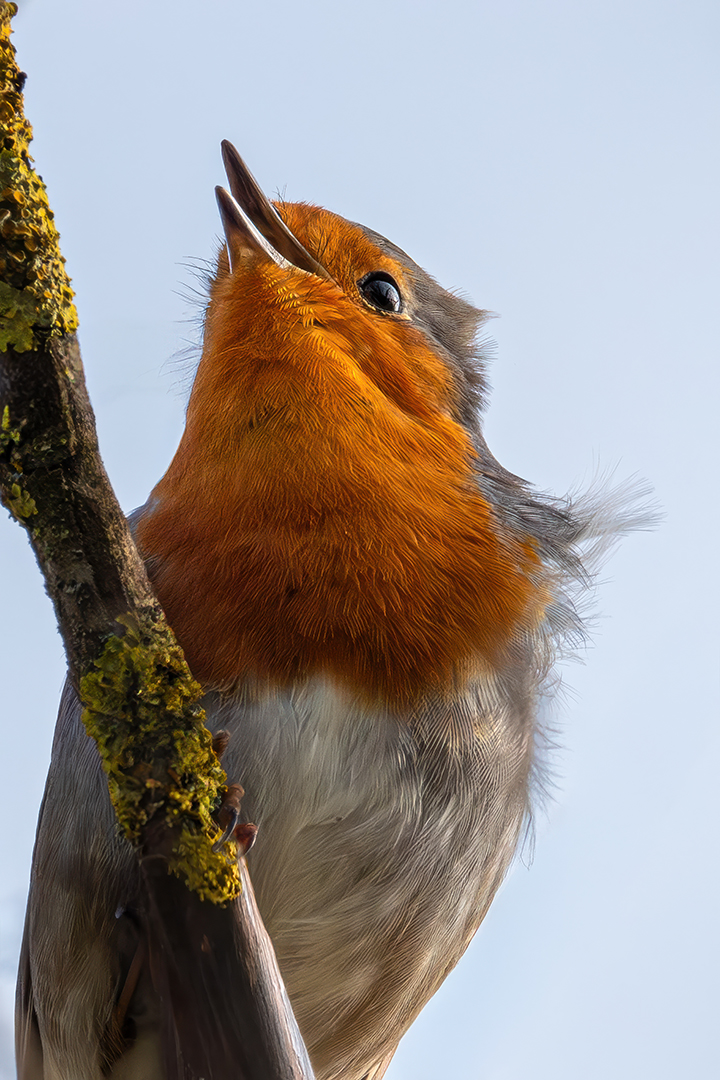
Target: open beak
251, 223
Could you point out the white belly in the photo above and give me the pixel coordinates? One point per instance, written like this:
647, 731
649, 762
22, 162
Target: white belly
380, 847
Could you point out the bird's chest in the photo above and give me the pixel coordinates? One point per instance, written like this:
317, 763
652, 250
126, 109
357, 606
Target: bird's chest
310, 545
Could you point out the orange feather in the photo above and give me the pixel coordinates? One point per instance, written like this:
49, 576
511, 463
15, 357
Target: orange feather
320, 514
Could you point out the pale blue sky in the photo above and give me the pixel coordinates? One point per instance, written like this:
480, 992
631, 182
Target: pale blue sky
558, 163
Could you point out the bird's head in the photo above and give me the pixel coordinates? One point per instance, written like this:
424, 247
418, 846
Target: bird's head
306, 302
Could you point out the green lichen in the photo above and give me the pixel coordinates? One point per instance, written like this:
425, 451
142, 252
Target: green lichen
9, 436
36, 300
141, 707
20, 503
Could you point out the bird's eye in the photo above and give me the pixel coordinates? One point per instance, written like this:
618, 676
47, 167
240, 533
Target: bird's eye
381, 291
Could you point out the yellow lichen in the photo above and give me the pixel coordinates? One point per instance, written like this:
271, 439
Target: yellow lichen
141, 708
36, 300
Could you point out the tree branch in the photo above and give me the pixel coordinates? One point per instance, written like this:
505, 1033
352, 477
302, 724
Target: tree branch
217, 967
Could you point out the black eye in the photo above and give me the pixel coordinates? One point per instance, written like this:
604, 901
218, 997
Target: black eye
381, 291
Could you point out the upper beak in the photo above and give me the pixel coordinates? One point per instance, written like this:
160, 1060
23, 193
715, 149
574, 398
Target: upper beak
252, 224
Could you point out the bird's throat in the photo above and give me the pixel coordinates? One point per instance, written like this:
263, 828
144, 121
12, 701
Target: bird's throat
312, 522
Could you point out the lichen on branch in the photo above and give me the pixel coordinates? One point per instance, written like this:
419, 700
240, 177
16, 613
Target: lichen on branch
141, 702
141, 709
36, 299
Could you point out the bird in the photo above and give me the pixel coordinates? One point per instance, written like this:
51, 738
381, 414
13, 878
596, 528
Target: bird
374, 607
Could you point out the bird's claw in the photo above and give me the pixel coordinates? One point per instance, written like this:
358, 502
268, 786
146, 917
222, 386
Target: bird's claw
228, 816
229, 829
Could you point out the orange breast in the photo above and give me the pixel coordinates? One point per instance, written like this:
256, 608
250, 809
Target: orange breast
320, 514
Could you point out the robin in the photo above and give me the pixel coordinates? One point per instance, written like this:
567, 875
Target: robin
372, 604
